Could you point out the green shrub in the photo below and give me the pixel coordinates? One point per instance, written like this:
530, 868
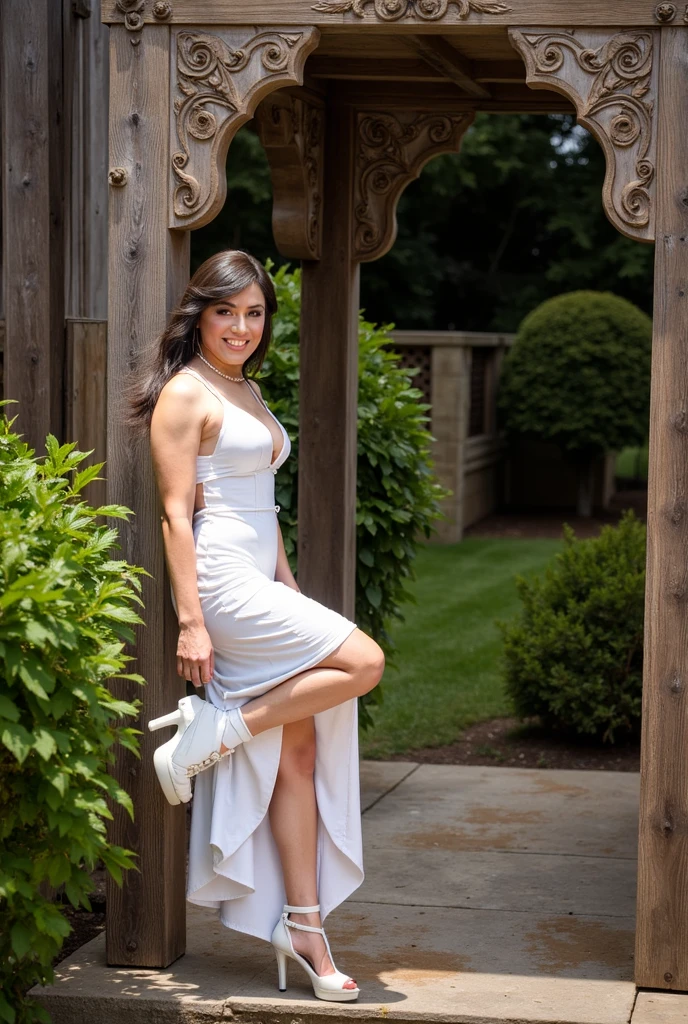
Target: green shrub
574, 655
397, 495
579, 375
65, 610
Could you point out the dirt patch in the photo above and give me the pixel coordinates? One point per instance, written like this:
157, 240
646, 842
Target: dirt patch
549, 522
510, 744
565, 943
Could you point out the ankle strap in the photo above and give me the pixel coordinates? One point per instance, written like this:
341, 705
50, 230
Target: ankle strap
301, 910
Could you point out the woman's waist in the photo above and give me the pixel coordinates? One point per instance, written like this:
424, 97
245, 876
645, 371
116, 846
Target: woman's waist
232, 511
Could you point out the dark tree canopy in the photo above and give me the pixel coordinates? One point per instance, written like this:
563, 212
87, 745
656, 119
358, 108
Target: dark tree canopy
484, 236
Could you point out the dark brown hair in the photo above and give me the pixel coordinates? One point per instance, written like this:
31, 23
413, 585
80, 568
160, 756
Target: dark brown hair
223, 275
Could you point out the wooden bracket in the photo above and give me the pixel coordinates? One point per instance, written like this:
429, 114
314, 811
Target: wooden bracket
391, 150
611, 77
218, 81
291, 130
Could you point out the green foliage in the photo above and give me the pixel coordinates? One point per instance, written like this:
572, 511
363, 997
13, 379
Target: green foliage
574, 655
579, 374
484, 235
397, 495
66, 609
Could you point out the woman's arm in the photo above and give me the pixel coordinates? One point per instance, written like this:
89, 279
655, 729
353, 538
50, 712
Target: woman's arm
283, 573
176, 427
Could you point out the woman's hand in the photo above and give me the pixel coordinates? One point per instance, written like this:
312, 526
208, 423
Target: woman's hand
195, 658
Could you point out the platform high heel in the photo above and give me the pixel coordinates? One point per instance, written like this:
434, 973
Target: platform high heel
330, 986
194, 747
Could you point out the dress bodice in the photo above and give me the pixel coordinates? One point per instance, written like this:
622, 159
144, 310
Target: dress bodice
240, 472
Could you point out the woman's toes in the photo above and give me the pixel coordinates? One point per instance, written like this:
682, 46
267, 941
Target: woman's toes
350, 984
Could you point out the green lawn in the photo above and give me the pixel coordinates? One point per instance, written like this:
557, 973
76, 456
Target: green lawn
449, 647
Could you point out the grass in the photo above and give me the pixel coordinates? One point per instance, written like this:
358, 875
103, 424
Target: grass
449, 647
631, 464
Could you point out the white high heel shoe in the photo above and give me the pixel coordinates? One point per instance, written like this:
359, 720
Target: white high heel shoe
195, 746
330, 986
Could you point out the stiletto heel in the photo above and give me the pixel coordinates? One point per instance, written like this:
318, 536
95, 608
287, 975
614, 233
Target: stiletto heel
174, 718
329, 986
281, 970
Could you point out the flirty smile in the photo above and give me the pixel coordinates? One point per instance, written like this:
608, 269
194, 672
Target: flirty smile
236, 344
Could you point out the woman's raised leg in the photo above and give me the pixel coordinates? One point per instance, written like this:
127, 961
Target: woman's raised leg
294, 821
352, 670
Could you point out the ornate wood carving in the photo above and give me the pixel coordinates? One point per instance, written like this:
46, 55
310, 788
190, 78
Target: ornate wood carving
219, 80
391, 150
133, 17
612, 80
292, 132
424, 10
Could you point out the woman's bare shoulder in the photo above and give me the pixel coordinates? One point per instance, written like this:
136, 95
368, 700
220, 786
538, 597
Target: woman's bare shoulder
181, 395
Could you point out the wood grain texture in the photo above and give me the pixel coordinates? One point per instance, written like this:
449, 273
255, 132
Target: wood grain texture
444, 57
289, 12
329, 386
611, 77
662, 916
148, 267
32, 184
218, 80
86, 397
291, 129
86, 132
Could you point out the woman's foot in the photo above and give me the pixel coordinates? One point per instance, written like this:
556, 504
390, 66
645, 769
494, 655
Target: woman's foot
312, 947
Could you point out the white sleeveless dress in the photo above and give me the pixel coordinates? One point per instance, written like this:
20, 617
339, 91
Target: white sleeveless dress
262, 632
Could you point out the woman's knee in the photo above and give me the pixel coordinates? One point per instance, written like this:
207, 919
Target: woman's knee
298, 750
370, 667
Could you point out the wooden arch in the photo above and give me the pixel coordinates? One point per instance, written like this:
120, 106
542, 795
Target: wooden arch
352, 96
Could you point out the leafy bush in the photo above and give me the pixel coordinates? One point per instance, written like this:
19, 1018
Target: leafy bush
65, 610
579, 375
397, 496
574, 656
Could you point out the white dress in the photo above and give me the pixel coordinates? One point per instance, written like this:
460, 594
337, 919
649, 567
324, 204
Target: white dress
262, 632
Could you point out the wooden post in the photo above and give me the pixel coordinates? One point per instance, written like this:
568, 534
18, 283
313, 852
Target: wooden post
662, 917
32, 185
86, 397
148, 266
451, 395
329, 386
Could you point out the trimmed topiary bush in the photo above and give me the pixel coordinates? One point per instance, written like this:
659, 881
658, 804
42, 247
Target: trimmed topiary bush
579, 375
574, 656
66, 609
397, 496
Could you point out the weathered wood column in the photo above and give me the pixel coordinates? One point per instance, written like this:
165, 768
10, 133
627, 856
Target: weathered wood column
148, 267
329, 384
662, 919
32, 216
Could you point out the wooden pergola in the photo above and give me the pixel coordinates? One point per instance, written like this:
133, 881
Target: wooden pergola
351, 99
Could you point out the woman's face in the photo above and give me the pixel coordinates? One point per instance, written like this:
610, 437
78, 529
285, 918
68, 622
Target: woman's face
231, 330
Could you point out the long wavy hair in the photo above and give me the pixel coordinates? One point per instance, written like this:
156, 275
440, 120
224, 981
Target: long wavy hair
223, 275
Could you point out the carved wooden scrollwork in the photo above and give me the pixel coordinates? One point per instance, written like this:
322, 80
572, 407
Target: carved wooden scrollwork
612, 80
219, 81
425, 10
391, 150
292, 132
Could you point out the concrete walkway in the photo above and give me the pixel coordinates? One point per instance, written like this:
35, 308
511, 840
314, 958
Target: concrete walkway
492, 895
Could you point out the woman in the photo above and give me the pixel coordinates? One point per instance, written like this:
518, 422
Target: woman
275, 835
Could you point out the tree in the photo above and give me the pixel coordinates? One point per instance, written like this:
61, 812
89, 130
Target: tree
484, 236
579, 375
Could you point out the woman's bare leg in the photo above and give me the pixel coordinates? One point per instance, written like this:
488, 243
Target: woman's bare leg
352, 670
294, 821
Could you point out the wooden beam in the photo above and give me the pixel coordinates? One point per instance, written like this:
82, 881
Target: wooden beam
86, 397
446, 59
661, 959
319, 12
401, 70
505, 99
148, 268
32, 201
329, 385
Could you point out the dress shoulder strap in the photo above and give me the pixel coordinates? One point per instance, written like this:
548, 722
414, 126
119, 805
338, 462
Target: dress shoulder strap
213, 390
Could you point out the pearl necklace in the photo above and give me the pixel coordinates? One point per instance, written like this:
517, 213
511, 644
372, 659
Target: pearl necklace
236, 380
